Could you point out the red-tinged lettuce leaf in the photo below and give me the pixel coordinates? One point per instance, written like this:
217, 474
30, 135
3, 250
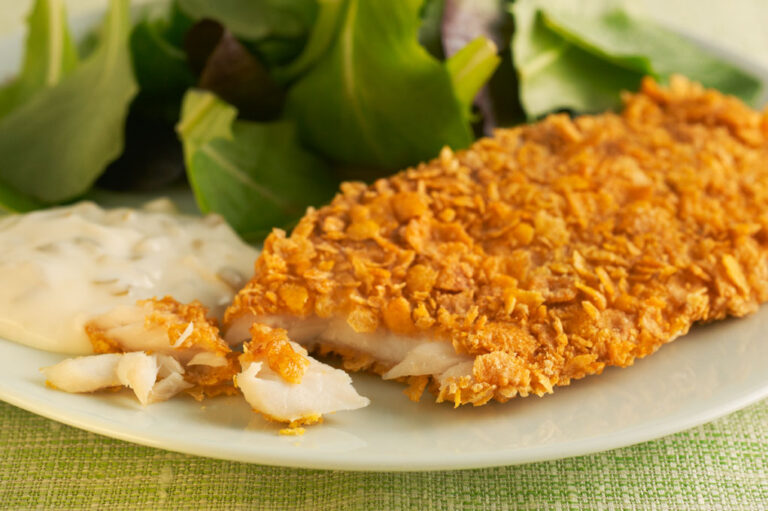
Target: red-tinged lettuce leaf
200, 41
463, 21
227, 68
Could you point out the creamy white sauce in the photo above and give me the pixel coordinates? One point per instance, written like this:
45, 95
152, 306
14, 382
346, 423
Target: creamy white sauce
60, 267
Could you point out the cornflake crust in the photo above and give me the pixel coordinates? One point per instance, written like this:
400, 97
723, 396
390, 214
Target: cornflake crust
547, 252
273, 346
192, 337
174, 317
280, 381
162, 347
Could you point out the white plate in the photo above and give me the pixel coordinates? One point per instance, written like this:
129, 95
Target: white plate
713, 371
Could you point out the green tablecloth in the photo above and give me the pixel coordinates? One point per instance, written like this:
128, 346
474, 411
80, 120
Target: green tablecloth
719, 466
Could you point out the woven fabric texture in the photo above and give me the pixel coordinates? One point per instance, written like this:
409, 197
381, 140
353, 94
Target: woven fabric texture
719, 466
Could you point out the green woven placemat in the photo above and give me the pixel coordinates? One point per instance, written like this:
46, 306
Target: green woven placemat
45, 465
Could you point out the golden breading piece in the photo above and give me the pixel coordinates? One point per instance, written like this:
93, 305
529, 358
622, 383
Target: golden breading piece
159, 348
167, 327
279, 380
272, 346
538, 256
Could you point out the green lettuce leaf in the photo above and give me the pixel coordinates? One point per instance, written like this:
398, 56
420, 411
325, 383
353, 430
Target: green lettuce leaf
431, 30
581, 55
256, 175
555, 74
256, 20
55, 144
160, 64
152, 158
471, 67
376, 98
320, 38
12, 201
204, 117
50, 55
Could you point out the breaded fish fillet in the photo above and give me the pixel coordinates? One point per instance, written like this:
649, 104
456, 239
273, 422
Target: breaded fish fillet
160, 347
157, 347
533, 258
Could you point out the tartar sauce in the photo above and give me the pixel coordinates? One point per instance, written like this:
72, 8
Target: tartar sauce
60, 267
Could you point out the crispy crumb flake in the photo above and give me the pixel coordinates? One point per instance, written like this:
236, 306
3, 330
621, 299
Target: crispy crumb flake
177, 317
309, 420
273, 345
293, 431
416, 386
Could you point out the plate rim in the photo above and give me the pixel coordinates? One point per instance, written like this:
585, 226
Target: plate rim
435, 461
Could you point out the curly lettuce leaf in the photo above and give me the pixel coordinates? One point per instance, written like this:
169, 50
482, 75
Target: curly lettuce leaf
55, 144
256, 175
580, 56
376, 98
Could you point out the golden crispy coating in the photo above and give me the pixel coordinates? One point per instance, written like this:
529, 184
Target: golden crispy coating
174, 317
546, 252
309, 420
210, 381
101, 342
273, 345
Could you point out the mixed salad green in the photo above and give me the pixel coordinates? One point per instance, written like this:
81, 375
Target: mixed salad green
263, 106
